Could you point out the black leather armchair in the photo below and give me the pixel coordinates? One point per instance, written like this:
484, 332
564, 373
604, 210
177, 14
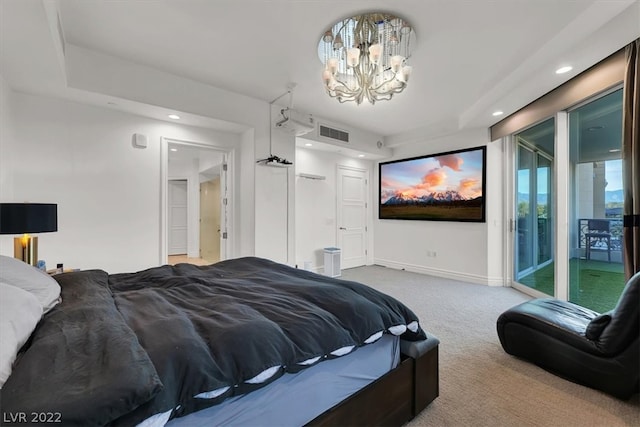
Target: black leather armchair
601, 351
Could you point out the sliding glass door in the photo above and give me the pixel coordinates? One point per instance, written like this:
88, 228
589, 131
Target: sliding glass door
571, 166
534, 225
596, 272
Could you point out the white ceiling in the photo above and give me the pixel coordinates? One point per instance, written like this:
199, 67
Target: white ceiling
471, 58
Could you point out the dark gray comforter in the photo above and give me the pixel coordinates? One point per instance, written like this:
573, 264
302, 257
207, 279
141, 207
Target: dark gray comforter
123, 347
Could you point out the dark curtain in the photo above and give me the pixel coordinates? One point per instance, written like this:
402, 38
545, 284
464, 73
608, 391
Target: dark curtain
631, 159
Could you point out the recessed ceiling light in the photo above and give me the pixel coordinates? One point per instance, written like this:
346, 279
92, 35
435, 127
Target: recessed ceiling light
173, 149
498, 113
563, 70
174, 116
308, 144
360, 155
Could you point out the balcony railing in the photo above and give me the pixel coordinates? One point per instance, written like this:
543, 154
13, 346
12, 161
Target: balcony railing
615, 228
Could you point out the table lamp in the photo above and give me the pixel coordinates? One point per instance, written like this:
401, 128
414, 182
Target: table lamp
25, 218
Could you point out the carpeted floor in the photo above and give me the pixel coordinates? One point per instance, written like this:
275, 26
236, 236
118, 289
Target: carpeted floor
481, 385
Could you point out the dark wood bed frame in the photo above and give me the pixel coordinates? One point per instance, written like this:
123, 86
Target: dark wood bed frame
392, 399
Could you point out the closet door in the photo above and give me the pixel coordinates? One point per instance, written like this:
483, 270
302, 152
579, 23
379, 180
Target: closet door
177, 217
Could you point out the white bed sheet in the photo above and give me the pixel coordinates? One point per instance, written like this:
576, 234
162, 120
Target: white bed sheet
295, 399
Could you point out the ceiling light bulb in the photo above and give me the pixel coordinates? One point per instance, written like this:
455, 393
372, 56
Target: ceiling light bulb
360, 155
498, 113
308, 144
332, 65
396, 63
353, 57
406, 73
375, 52
563, 70
328, 36
337, 43
326, 77
173, 149
174, 116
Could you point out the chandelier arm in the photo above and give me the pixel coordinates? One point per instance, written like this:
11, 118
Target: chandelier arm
357, 31
343, 97
388, 81
343, 84
344, 24
342, 93
342, 90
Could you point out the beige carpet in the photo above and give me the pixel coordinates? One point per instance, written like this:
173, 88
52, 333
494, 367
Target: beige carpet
481, 385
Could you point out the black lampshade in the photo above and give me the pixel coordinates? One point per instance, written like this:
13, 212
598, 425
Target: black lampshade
19, 218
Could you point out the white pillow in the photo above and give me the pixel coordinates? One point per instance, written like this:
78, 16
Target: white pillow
20, 312
24, 276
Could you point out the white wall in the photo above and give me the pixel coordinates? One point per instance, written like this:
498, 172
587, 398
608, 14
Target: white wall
97, 72
275, 197
315, 207
108, 192
497, 226
463, 250
7, 139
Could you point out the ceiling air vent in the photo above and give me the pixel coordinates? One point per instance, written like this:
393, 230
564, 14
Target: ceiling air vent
332, 133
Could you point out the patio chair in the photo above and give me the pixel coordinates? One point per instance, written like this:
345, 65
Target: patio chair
598, 232
600, 351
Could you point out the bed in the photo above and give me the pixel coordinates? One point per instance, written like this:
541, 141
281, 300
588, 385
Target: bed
182, 345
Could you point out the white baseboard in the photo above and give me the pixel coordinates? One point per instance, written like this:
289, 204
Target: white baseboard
438, 272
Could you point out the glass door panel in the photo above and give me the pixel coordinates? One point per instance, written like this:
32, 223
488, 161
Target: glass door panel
524, 224
544, 210
534, 221
596, 272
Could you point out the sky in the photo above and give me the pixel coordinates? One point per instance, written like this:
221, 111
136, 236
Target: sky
461, 172
613, 175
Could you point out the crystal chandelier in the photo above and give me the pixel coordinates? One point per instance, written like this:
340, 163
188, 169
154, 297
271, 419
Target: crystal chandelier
365, 56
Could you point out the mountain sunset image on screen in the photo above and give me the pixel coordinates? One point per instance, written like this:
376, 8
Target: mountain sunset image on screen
447, 187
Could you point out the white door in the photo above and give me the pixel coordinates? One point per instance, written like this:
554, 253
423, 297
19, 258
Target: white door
352, 216
177, 217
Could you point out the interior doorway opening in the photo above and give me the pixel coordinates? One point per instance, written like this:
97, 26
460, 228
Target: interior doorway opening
195, 208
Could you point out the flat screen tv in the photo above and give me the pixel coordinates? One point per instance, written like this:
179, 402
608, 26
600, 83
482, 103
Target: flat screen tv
446, 186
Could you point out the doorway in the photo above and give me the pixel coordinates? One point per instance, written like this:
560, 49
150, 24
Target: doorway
203, 172
210, 198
